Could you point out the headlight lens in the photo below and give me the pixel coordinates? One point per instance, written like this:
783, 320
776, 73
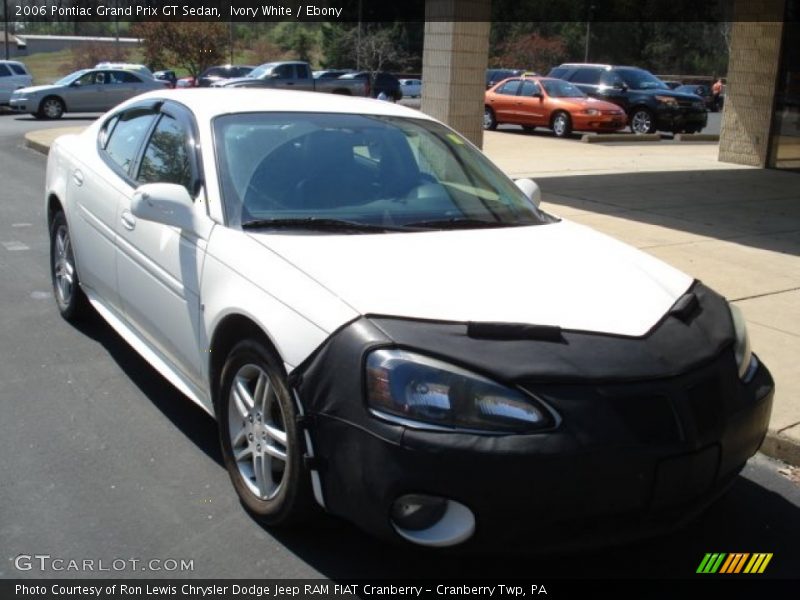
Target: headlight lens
591, 111
669, 100
745, 360
426, 390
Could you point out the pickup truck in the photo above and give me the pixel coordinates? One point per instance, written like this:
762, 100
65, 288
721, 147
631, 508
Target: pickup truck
296, 75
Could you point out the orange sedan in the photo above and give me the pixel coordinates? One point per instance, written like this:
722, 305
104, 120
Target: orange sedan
546, 102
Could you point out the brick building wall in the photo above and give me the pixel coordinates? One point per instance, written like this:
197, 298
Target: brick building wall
750, 87
454, 63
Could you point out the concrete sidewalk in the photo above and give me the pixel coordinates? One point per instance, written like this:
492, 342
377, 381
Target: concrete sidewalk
735, 228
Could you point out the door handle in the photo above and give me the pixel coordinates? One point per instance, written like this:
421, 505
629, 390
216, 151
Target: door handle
77, 177
128, 220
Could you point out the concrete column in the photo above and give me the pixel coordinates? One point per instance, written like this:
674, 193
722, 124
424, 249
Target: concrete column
454, 61
750, 84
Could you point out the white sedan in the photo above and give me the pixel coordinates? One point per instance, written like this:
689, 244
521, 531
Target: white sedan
386, 326
411, 88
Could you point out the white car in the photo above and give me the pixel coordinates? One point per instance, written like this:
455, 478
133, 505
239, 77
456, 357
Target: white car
411, 88
388, 327
13, 76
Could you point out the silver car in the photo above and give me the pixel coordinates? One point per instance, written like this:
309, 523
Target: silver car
87, 90
13, 76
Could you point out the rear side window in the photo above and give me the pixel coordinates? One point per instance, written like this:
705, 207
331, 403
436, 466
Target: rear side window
18, 69
127, 137
4, 71
302, 72
166, 158
587, 75
509, 88
124, 77
558, 72
610, 78
529, 88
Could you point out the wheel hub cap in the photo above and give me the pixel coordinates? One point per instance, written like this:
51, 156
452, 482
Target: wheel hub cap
63, 267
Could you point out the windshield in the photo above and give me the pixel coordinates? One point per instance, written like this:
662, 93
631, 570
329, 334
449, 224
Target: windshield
639, 79
71, 77
556, 88
261, 71
387, 173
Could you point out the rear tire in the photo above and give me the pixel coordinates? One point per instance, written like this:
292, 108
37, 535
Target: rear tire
70, 299
489, 120
262, 444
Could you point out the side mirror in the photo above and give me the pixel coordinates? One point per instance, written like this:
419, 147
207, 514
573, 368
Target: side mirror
538, 95
76, 83
165, 203
531, 190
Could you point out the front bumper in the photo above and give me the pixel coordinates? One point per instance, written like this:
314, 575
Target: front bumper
599, 122
680, 118
629, 458
23, 104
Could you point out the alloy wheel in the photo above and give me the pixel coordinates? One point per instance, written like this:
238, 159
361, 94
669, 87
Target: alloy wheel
641, 122
257, 430
560, 125
52, 108
63, 267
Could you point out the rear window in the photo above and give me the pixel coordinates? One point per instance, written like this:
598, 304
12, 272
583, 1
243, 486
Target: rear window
127, 136
4, 71
18, 69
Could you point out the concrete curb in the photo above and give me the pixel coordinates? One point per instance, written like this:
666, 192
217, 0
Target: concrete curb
781, 447
42, 147
775, 444
696, 137
620, 137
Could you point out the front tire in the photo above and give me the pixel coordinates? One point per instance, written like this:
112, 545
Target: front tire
562, 124
642, 121
261, 441
70, 299
489, 120
52, 108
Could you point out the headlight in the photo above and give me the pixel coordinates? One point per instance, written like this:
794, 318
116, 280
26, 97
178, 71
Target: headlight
591, 111
745, 360
668, 100
425, 390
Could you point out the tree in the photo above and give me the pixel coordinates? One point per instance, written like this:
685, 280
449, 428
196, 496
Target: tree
533, 51
192, 46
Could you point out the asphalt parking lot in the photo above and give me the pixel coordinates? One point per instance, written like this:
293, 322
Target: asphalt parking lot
104, 459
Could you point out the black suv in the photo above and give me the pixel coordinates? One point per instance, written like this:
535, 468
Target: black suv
649, 102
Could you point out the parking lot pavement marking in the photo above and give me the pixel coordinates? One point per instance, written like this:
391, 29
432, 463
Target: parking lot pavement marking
21, 224
15, 246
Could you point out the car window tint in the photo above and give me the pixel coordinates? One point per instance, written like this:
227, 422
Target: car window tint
586, 75
18, 69
105, 132
509, 88
529, 88
610, 78
302, 72
86, 79
4, 71
215, 72
124, 77
166, 159
558, 72
126, 138
284, 71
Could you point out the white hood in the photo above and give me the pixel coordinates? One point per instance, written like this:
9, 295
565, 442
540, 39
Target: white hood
561, 274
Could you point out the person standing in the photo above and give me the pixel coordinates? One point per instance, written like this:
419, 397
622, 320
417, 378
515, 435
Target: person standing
716, 92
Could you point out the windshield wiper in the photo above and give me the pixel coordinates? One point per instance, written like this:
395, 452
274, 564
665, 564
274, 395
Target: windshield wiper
462, 223
316, 223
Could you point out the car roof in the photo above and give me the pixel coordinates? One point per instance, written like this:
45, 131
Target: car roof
207, 103
598, 65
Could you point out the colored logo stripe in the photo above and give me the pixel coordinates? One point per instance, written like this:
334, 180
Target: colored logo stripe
721, 562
